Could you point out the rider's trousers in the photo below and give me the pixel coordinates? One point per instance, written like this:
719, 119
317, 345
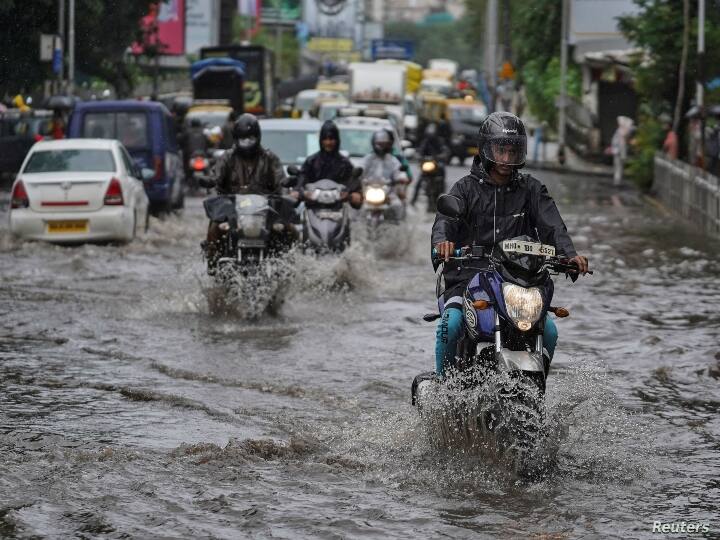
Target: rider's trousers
449, 331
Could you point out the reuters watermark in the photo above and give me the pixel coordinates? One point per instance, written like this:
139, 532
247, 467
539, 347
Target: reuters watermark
678, 527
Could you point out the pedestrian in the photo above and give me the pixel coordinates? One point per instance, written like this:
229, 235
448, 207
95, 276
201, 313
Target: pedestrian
670, 144
619, 145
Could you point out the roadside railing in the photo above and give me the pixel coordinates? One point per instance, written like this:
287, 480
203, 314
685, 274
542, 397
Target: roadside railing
689, 192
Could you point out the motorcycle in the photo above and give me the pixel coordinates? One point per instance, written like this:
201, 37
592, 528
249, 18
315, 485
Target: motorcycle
199, 166
432, 176
254, 229
500, 360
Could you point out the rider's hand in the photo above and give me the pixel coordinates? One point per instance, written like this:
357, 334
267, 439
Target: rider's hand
445, 249
582, 263
356, 198
295, 195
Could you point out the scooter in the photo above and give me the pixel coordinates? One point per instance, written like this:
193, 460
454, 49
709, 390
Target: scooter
501, 351
326, 220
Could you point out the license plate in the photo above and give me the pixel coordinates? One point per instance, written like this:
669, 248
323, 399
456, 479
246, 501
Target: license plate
528, 248
68, 226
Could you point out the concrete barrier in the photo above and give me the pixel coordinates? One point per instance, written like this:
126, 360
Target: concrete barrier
689, 192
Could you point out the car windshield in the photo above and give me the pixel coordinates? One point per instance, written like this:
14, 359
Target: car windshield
357, 142
471, 115
81, 160
130, 128
208, 119
291, 147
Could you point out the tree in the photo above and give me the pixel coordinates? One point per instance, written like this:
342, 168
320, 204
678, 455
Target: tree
104, 30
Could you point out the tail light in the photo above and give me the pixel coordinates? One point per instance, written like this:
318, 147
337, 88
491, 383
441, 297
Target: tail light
19, 197
199, 163
113, 195
158, 167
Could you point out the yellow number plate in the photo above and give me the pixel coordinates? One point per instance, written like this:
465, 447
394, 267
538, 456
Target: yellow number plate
60, 227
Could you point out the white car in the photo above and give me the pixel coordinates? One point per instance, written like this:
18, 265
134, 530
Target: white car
77, 190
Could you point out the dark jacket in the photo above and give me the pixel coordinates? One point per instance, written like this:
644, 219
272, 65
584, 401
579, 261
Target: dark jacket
195, 141
433, 146
331, 165
262, 175
495, 213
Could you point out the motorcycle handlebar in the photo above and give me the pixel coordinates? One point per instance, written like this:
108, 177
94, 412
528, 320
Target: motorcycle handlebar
553, 263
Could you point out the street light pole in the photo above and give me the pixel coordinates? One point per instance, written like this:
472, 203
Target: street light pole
71, 50
61, 35
563, 82
699, 89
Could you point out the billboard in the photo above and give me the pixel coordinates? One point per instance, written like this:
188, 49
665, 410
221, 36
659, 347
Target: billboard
164, 25
202, 24
281, 10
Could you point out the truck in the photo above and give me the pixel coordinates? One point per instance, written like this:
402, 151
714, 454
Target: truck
379, 85
444, 64
260, 94
219, 79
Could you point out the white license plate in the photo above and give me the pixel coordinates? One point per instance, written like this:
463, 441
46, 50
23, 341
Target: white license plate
529, 248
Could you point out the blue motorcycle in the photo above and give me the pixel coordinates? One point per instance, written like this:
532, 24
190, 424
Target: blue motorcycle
501, 366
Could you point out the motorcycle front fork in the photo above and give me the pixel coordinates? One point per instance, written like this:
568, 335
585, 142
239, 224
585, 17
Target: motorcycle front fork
498, 338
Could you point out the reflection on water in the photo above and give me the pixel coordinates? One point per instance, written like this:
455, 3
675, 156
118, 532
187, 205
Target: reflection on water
131, 407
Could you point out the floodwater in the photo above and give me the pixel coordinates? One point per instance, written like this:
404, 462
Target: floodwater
128, 409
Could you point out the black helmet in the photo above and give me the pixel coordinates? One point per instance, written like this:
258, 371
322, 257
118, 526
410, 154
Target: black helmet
502, 139
246, 132
330, 131
381, 142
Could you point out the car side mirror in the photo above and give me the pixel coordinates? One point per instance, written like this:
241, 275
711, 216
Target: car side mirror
450, 206
357, 172
293, 170
147, 174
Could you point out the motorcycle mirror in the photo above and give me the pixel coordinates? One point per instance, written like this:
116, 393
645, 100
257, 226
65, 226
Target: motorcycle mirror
204, 181
450, 206
289, 181
357, 172
293, 170
409, 153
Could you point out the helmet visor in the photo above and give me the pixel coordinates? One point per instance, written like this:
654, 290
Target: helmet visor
505, 151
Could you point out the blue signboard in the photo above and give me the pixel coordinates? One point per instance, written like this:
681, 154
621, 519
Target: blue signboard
399, 49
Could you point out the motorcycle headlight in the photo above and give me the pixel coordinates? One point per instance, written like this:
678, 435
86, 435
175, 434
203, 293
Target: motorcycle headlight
524, 306
252, 226
428, 166
375, 195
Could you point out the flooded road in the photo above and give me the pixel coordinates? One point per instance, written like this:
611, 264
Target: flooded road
128, 410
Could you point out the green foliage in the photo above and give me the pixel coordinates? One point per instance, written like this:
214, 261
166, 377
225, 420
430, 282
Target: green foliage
441, 40
542, 87
288, 59
104, 30
648, 139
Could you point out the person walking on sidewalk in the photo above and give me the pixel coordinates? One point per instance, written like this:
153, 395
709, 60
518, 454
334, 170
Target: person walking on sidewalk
670, 144
619, 146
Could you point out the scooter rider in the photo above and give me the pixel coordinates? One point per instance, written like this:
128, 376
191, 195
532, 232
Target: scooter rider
247, 168
329, 163
433, 146
499, 203
381, 165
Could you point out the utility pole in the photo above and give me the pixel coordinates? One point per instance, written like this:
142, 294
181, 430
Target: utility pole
71, 50
61, 36
563, 83
491, 31
699, 88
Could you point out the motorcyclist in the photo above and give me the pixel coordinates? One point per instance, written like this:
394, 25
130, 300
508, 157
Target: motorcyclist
499, 203
381, 166
247, 168
432, 146
329, 163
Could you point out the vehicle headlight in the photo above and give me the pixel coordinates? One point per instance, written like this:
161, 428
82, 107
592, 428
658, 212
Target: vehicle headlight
375, 195
252, 226
428, 166
524, 306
